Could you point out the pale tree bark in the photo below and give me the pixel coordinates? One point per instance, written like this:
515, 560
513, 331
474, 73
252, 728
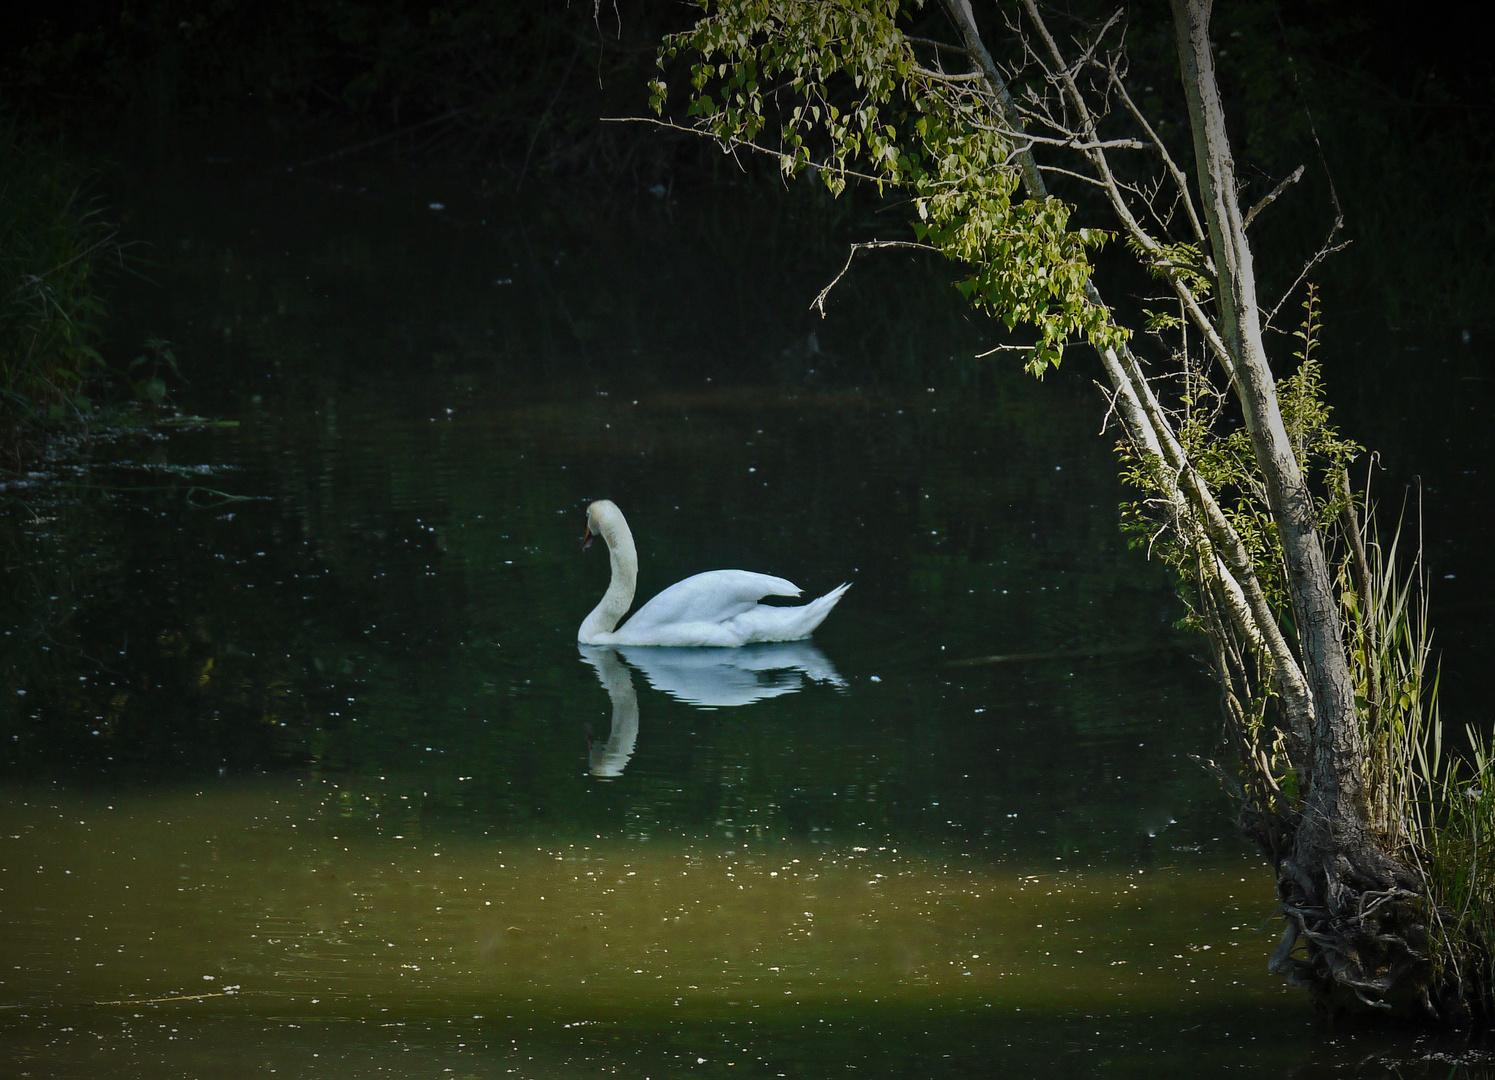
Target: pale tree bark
1334, 800
1286, 681
1359, 911
1234, 516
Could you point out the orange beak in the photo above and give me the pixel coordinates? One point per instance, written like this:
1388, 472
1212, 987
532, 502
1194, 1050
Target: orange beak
586, 538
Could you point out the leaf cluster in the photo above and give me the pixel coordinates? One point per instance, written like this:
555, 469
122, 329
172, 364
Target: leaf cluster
1225, 459
839, 88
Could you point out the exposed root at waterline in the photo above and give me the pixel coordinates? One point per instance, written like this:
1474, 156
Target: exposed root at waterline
1356, 933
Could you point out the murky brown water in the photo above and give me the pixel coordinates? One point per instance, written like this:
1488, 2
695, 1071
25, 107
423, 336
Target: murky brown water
271, 894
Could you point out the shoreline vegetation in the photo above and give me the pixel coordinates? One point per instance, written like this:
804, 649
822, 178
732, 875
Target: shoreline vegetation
55, 246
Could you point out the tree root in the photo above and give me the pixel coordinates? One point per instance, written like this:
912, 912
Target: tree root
1356, 932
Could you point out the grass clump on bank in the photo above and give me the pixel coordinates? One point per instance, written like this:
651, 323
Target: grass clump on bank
53, 246
1434, 803
1457, 823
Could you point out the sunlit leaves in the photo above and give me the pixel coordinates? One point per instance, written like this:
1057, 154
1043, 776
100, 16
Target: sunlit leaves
1182, 262
1226, 460
836, 86
1159, 321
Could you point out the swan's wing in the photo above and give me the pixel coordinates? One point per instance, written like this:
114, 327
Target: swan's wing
762, 623
712, 597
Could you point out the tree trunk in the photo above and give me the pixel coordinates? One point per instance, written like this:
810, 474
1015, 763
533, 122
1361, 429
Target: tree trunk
1334, 787
1358, 911
1287, 685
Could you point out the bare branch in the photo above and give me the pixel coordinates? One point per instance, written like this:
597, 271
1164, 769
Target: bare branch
1087, 56
942, 76
933, 44
1147, 424
1174, 171
1110, 393
1271, 196
1058, 171
1326, 249
1003, 348
1291, 684
818, 304
1113, 189
1070, 143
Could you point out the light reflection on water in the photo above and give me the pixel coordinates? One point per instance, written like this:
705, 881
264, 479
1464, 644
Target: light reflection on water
235, 930
275, 891
706, 678
269, 910
725, 678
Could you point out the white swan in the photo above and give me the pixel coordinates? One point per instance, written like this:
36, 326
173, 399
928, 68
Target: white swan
717, 608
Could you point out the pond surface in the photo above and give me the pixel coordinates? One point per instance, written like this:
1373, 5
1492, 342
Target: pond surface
304, 772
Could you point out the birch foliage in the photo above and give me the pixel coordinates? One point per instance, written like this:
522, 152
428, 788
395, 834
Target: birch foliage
836, 87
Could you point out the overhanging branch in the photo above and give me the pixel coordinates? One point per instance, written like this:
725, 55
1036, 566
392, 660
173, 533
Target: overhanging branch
818, 304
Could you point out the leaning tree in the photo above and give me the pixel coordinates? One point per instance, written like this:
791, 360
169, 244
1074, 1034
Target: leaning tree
1319, 648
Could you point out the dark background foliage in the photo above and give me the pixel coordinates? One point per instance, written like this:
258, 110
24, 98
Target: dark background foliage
1389, 101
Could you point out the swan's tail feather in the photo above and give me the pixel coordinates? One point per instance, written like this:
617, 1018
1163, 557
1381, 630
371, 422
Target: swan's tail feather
792, 623
822, 607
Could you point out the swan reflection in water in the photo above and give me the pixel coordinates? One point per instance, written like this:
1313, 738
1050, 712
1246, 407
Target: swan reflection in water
706, 678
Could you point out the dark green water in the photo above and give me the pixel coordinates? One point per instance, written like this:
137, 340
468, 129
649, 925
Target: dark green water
304, 771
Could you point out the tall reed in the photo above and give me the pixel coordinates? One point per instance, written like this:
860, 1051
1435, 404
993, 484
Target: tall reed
1433, 802
53, 245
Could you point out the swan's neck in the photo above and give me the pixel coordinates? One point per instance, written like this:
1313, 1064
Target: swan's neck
619, 596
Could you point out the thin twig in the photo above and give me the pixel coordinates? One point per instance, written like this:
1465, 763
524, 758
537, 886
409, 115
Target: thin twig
1072, 142
1003, 348
1092, 181
734, 143
1319, 256
1110, 394
1271, 196
1109, 183
1087, 56
944, 76
818, 304
1179, 181
382, 138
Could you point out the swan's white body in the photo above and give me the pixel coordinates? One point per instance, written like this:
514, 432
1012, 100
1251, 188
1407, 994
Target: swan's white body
718, 608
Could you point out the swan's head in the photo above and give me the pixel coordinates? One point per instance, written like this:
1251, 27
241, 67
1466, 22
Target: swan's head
600, 516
